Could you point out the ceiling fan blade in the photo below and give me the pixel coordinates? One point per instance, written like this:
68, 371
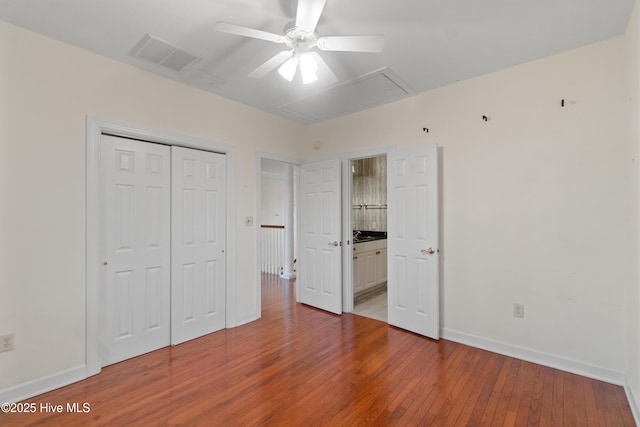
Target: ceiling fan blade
325, 75
271, 64
374, 44
308, 14
225, 27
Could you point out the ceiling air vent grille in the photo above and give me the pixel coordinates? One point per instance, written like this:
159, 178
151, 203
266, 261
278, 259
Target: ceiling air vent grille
156, 51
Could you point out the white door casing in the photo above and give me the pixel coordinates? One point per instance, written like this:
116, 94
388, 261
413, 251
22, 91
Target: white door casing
320, 253
198, 243
136, 188
413, 239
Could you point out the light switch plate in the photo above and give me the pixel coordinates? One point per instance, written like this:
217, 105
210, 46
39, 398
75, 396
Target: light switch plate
248, 221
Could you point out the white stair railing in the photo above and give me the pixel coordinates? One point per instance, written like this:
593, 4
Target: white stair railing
272, 249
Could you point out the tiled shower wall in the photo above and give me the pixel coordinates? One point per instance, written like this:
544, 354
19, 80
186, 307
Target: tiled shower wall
370, 189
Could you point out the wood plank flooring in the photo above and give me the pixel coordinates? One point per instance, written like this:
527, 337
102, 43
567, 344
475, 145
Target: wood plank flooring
299, 366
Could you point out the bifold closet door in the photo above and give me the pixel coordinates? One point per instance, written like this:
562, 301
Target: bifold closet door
137, 201
198, 237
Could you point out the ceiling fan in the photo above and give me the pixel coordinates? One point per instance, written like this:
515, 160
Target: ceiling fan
300, 39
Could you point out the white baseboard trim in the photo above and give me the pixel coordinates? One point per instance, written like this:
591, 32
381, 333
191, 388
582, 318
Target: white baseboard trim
539, 357
29, 389
632, 402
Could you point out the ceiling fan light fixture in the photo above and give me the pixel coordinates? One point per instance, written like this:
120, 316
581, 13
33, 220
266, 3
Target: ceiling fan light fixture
308, 68
300, 39
288, 69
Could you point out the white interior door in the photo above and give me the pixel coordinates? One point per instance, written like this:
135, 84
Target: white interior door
136, 180
412, 241
198, 243
320, 253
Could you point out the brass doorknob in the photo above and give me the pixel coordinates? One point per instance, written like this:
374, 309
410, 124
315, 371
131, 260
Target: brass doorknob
429, 251
334, 243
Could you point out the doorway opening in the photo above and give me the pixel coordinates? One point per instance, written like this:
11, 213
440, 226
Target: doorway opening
369, 231
276, 222
412, 252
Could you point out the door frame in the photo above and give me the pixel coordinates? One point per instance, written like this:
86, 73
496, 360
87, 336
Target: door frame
94, 285
347, 214
347, 261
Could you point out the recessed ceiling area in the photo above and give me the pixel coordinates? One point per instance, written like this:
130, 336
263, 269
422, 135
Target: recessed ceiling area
379, 87
427, 43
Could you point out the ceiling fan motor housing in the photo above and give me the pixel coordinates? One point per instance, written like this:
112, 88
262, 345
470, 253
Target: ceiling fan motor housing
299, 40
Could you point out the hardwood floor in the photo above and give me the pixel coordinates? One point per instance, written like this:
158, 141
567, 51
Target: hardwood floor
300, 366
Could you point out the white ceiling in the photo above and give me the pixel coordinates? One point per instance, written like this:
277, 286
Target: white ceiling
428, 43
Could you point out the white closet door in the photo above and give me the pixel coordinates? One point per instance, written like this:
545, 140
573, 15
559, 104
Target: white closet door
136, 180
198, 243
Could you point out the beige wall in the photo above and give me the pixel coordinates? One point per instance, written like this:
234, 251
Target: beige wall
46, 91
632, 39
536, 201
272, 190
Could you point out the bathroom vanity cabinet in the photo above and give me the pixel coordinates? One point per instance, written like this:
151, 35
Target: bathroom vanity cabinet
369, 264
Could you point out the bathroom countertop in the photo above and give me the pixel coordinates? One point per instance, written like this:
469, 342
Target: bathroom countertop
369, 236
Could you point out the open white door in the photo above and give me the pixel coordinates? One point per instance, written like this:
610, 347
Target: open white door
320, 264
198, 233
137, 200
413, 254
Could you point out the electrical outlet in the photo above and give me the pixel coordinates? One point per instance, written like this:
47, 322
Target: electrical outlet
518, 310
6, 342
